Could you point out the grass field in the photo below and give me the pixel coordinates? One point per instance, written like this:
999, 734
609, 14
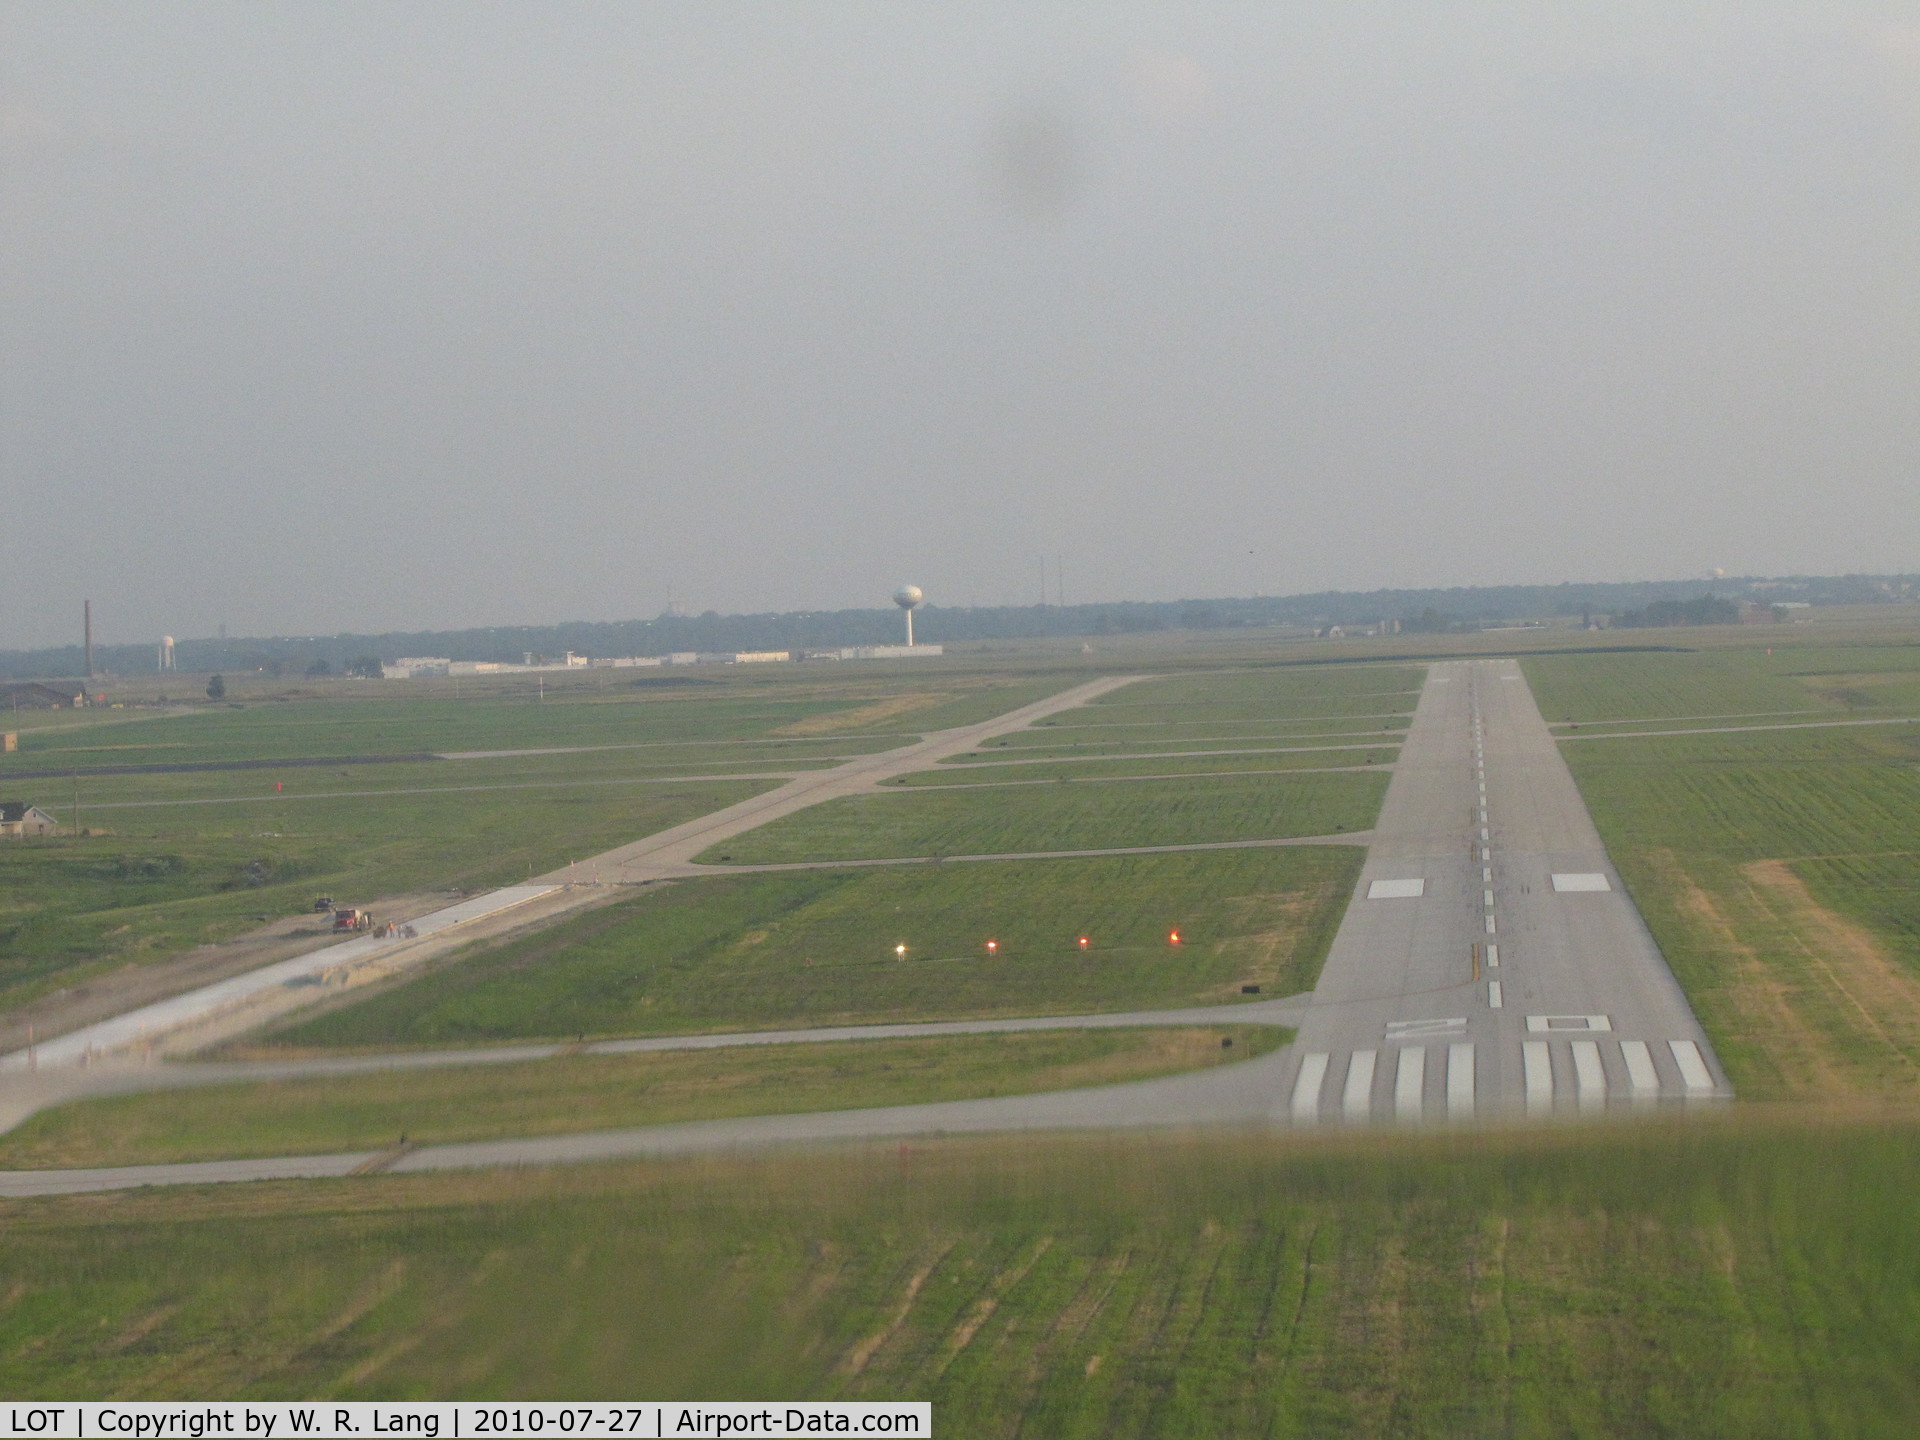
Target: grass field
178, 877
570, 1094
1096, 767
1037, 742
816, 947
414, 717
1777, 871
1066, 817
177, 860
1757, 1279
1277, 690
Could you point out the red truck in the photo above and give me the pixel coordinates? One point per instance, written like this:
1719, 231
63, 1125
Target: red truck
346, 920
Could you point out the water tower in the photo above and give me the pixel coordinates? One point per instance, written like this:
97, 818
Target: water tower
906, 597
166, 652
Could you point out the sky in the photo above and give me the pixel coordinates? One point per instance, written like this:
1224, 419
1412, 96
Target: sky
378, 316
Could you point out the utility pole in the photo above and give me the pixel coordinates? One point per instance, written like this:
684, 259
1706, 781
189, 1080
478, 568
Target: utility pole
87, 622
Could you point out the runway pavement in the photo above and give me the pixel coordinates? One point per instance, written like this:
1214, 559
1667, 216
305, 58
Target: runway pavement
1490, 962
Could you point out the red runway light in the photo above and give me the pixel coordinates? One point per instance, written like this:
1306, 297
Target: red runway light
993, 944
1173, 937
1085, 942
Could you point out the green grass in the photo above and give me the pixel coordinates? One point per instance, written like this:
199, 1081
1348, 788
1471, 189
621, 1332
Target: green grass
1748, 1281
1278, 690
1066, 817
415, 719
1125, 739
1795, 1008
1661, 687
194, 858
816, 947
1095, 767
572, 1094
174, 877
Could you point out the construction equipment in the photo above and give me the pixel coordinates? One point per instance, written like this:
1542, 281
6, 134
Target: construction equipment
347, 920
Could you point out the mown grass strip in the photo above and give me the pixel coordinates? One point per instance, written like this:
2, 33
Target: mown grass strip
569, 1094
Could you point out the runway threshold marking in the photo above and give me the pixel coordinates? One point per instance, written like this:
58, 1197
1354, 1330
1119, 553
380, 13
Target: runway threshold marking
1356, 1103
1693, 1069
1589, 1075
1642, 1079
1410, 1083
1460, 1079
1306, 1088
1537, 1063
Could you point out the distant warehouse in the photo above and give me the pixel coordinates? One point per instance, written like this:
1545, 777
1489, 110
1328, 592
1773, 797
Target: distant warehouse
891, 652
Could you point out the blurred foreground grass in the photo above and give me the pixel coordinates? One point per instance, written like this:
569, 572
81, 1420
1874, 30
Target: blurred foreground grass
1752, 1275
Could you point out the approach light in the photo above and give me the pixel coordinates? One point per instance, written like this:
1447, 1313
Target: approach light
993, 944
901, 951
1085, 942
1173, 937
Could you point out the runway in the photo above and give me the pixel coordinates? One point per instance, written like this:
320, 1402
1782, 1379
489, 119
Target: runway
1490, 962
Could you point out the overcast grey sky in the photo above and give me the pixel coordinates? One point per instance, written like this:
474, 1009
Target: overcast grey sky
331, 316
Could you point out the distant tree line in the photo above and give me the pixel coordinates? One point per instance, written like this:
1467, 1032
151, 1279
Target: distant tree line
1703, 610
1418, 611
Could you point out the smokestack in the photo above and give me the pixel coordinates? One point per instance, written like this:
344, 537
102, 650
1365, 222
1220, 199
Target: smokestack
87, 616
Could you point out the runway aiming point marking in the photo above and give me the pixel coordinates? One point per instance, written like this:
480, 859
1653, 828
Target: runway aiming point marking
1575, 884
1563, 1024
1396, 889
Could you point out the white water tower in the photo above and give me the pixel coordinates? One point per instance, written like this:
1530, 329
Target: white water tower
907, 597
166, 652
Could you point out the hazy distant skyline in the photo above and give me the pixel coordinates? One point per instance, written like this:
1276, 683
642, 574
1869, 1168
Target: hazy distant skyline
381, 317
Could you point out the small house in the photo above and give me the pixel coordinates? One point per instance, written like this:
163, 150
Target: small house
17, 817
